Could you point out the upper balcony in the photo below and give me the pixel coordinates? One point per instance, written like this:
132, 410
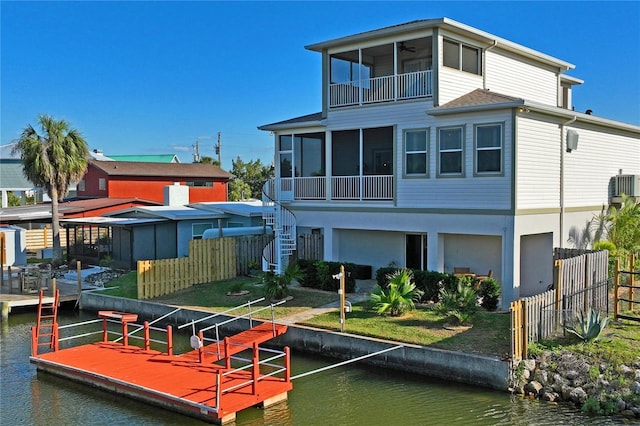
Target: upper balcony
390, 72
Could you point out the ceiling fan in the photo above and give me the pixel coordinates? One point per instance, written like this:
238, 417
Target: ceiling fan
404, 48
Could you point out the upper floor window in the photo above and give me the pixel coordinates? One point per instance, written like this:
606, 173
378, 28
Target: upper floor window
461, 56
488, 148
81, 185
416, 155
348, 71
102, 184
450, 151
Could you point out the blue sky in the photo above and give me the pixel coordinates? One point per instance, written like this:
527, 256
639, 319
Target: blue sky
153, 77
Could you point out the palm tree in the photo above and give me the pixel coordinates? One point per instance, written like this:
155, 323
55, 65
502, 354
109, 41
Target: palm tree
399, 296
52, 160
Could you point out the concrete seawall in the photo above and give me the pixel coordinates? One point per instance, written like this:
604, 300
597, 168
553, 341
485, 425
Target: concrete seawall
484, 371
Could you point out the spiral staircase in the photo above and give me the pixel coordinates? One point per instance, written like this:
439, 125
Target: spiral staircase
275, 255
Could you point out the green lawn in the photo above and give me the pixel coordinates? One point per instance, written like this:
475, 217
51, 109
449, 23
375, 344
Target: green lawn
489, 333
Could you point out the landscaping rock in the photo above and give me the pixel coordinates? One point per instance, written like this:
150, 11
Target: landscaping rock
578, 395
532, 388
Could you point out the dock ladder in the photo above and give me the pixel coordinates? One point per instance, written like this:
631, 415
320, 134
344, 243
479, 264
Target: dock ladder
47, 323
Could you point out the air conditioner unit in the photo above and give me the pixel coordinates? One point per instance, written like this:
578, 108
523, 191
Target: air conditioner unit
626, 184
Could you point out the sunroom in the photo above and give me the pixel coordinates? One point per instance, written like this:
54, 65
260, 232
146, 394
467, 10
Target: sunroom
393, 71
360, 165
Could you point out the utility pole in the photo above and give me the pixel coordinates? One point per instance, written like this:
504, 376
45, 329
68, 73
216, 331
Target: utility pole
218, 148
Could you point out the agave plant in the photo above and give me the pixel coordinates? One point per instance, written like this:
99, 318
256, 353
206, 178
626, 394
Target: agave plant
399, 296
589, 326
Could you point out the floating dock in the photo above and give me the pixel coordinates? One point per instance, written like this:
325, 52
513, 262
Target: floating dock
201, 383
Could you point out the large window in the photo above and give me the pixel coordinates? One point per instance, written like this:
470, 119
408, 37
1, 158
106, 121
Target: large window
461, 57
416, 155
285, 148
450, 151
347, 71
302, 155
488, 148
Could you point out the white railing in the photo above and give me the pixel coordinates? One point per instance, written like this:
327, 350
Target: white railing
275, 254
310, 188
362, 187
381, 89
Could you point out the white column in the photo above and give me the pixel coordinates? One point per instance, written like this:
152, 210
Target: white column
5, 199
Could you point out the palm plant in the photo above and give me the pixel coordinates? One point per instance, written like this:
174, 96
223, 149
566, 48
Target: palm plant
399, 296
461, 303
53, 160
276, 286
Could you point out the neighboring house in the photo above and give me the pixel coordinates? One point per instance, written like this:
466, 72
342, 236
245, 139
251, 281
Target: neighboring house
154, 232
438, 146
12, 179
206, 182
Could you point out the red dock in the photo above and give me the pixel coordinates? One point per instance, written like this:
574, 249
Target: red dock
190, 383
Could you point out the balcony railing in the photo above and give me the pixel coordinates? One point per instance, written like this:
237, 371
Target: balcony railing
357, 188
381, 89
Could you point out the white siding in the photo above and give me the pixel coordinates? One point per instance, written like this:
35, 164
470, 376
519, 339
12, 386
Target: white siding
599, 157
538, 164
453, 83
469, 192
521, 78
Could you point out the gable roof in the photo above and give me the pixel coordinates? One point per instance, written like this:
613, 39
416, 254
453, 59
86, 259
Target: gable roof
165, 170
480, 97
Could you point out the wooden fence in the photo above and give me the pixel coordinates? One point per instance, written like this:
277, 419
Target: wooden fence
630, 300
310, 247
580, 283
208, 260
42, 238
211, 260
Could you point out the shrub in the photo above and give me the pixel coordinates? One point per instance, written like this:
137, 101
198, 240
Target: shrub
489, 290
460, 304
319, 274
399, 296
276, 286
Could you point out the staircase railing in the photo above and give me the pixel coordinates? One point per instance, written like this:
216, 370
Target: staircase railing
276, 254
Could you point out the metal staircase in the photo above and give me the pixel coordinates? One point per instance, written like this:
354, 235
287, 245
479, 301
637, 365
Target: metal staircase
275, 256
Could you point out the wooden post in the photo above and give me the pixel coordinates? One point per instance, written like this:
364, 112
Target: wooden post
227, 357
632, 269
169, 340
105, 331
55, 336
146, 335
287, 364
54, 284
616, 289
79, 269
558, 302
3, 259
34, 342
255, 370
342, 295
125, 333
6, 308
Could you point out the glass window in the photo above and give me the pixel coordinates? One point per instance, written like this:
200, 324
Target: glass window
102, 184
416, 155
470, 60
461, 57
489, 148
450, 151
199, 228
451, 54
309, 155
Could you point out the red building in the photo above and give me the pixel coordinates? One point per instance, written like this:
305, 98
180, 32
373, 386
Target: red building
120, 179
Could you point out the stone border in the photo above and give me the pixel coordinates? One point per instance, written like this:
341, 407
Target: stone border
489, 372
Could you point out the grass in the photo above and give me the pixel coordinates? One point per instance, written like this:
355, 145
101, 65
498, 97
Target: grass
489, 334
215, 296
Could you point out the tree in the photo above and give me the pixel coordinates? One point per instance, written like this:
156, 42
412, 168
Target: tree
209, 160
52, 160
249, 179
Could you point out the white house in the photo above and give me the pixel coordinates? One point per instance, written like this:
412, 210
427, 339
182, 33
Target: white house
440, 146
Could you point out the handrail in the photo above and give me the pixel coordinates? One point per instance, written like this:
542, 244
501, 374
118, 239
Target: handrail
221, 313
271, 306
131, 333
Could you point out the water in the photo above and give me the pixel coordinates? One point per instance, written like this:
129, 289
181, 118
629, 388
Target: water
351, 395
